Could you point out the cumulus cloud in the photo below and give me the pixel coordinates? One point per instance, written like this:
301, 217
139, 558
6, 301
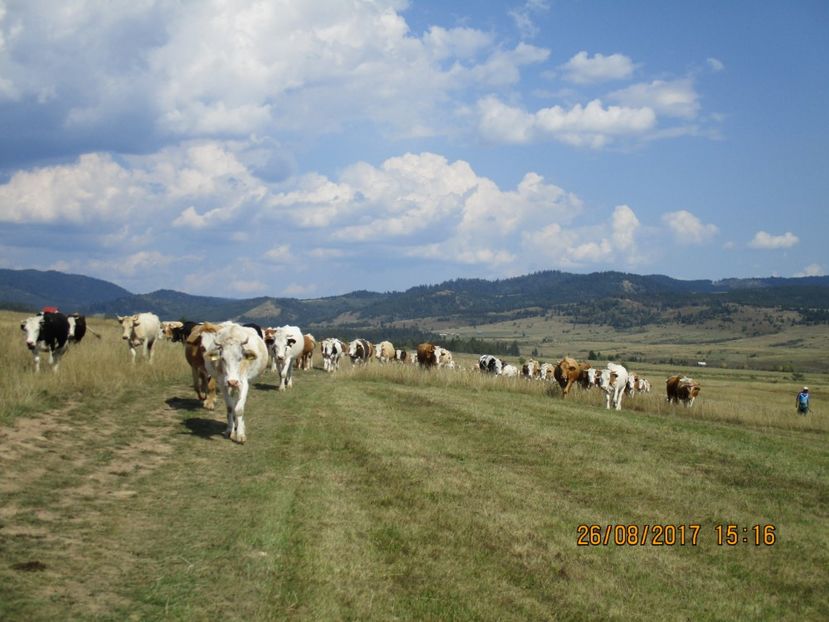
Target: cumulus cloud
671, 98
814, 269
688, 229
767, 241
592, 125
584, 69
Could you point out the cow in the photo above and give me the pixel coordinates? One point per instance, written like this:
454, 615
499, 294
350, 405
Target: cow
400, 356
613, 381
255, 327
637, 384
385, 352
78, 327
444, 358
306, 360
546, 371
566, 372
360, 351
682, 389
203, 383
490, 364
427, 357
179, 334
46, 332
509, 371
167, 328
234, 355
286, 344
332, 350
141, 329
531, 369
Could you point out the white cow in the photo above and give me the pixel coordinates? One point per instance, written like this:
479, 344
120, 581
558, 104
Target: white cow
332, 351
141, 329
444, 358
510, 371
384, 351
613, 381
234, 355
287, 345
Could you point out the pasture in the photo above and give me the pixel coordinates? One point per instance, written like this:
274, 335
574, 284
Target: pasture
392, 493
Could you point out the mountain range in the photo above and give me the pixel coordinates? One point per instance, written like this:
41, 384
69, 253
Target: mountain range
615, 298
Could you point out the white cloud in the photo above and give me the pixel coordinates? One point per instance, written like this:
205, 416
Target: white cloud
279, 254
715, 64
523, 16
674, 98
687, 228
593, 125
766, 241
814, 269
583, 69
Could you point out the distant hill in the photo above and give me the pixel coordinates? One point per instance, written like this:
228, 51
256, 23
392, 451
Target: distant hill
615, 298
34, 289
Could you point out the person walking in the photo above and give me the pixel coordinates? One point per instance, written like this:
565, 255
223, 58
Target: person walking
803, 401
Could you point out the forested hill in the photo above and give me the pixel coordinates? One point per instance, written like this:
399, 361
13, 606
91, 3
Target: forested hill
615, 298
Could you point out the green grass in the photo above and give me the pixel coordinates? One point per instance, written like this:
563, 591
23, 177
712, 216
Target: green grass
391, 493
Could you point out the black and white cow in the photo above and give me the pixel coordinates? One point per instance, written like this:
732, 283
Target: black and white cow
46, 332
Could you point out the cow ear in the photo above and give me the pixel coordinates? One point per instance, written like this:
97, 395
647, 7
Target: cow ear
250, 355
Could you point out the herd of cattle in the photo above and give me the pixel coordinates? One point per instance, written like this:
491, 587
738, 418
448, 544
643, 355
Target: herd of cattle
228, 356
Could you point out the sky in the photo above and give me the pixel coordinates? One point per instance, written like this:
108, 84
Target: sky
309, 148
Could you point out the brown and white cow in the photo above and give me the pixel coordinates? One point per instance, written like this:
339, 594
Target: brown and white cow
360, 351
682, 389
401, 356
427, 357
531, 369
567, 372
305, 361
203, 383
141, 329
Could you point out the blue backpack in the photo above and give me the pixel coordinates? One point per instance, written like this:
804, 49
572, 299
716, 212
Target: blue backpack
803, 399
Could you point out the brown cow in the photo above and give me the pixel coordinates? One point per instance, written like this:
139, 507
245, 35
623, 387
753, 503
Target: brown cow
306, 361
203, 383
567, 371
682, 389
426, 356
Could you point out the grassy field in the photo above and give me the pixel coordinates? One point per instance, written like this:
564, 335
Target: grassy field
391, 493
747, 345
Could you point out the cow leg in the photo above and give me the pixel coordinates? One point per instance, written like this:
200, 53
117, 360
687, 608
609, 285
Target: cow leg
198, 383
148, 349
210, 392
54, 360
36, 360
290, 381
618, 399
239, 410
132, 352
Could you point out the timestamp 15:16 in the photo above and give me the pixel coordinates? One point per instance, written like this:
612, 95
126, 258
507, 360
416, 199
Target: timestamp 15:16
731, 535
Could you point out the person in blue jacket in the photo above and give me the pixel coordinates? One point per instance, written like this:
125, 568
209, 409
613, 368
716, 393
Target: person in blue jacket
803, 401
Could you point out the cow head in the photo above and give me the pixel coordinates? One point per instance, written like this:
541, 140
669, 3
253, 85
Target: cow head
229, 354
128, 324
31, 326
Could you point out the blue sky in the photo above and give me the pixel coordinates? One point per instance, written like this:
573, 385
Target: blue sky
310, 148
